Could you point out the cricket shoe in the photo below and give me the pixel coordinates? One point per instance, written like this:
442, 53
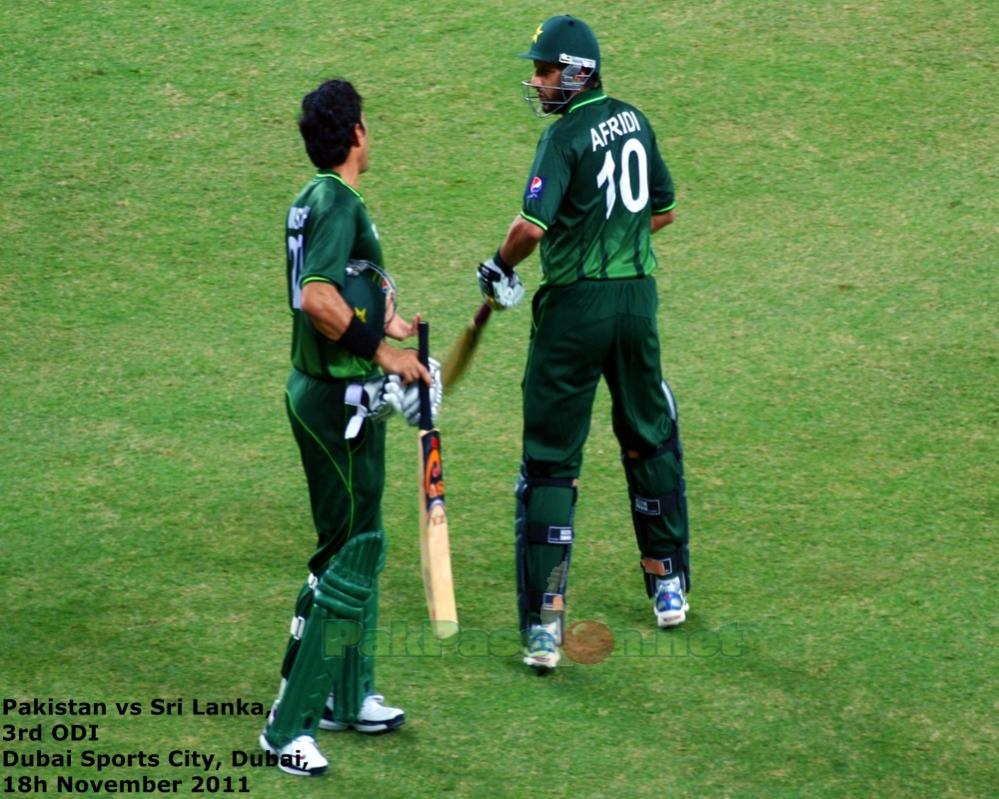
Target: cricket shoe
542, 648
299, 756
373, 718
670, 605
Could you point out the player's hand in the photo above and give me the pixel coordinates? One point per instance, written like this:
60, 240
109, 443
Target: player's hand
399, 329
410, 406
405, 363
500, 284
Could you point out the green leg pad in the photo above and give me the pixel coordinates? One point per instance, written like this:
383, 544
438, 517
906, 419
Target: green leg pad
354, 675
657, 491
303, 607
370, 634
544, 536
329, 650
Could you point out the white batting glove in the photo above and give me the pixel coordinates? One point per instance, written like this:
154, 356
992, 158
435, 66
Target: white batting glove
500, 284
410, 407
394, 392
372, 401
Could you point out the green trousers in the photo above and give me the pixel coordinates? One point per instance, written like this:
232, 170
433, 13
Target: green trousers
345, 480
580, 333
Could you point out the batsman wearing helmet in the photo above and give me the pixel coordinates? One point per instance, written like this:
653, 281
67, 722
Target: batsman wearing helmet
597, 191
345, 380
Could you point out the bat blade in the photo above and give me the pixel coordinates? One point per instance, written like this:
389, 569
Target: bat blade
464, 348
435, 545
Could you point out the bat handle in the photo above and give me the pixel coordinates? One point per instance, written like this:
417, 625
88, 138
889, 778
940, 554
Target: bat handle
426, 420
483, 314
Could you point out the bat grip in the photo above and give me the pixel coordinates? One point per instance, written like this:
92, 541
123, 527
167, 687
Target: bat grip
483, 314
426, 420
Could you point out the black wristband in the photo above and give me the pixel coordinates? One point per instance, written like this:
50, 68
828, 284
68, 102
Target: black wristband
359, 339
503, 265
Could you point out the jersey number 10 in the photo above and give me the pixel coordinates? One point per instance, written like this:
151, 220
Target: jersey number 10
633, 201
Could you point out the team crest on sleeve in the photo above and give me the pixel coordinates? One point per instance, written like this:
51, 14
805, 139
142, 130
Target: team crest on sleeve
535, 188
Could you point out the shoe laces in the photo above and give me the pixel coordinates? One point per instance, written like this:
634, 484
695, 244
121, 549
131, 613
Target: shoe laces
541, 638
669, 595
302, 740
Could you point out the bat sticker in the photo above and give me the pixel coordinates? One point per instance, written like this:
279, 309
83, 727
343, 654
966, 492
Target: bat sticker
433, 471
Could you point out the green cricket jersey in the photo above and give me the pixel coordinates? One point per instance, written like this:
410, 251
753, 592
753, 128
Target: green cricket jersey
596, 180
327, 225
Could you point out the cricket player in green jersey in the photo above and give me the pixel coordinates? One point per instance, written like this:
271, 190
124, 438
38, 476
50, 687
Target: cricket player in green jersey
345, 380
597, 191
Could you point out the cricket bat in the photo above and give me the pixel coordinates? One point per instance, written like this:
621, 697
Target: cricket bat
464, 348
435, 547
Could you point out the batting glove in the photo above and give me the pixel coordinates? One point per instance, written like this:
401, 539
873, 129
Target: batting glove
410, 407
373, 400
394, 392
500, 284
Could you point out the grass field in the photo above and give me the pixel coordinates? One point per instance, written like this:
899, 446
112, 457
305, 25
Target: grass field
829, 326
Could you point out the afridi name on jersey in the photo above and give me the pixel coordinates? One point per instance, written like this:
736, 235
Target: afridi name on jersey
327, 226
596, 179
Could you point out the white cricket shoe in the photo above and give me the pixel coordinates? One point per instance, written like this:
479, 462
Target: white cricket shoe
299, 756
542, 651
670, 605
374, 717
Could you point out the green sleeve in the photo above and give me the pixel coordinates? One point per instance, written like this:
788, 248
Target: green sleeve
547, 183
662, 195
328, 245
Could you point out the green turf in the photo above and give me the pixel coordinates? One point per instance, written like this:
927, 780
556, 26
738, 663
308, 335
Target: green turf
828, 321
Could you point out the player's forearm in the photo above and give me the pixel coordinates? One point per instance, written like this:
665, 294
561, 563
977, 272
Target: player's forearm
520, 241
329, 312
331, 316
661, 220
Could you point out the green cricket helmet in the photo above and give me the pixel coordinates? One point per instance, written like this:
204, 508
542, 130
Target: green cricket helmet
368, 289
571, 44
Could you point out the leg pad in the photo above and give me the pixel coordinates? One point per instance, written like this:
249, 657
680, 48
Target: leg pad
329, 649
658, 494
544, 536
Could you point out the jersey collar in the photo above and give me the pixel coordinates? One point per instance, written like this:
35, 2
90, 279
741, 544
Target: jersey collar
341, 181
586, 98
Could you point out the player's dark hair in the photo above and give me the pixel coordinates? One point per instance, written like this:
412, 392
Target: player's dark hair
329, 115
